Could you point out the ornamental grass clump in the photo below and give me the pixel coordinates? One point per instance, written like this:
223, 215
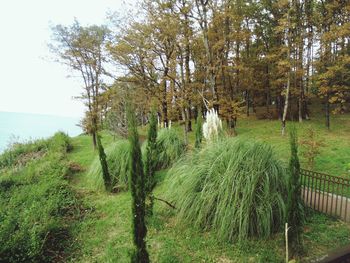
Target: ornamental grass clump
212, 126
169, 148
118, 155
236, 189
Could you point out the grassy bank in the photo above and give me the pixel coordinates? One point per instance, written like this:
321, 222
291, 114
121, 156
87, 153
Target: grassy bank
51, 211
37, 205
334, 157
105, 233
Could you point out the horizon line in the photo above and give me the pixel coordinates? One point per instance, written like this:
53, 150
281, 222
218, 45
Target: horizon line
43, 114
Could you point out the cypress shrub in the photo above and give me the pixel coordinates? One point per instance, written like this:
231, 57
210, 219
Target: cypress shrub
150, 160
117, 156
102, 156
138, 193
234, 188
199, 131
295, 208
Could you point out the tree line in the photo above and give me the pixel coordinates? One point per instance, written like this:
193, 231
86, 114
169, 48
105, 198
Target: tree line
267, 57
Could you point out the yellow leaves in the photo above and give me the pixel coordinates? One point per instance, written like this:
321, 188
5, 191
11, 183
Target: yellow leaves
230, 109
333, 99
311, 146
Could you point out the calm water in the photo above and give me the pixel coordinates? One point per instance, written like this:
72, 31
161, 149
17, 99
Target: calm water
21, 127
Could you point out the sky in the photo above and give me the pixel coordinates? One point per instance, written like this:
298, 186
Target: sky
30, 80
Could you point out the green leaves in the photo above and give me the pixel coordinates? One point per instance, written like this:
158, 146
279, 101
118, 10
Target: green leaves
138, 192
295, 208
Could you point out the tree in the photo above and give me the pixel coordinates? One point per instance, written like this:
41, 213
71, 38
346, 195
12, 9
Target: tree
295, 206
333, 63
138, 192
82, 50
151, 160
311, 145
235, 54
203, 21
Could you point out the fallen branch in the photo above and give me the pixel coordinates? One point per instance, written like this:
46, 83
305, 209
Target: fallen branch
169, 204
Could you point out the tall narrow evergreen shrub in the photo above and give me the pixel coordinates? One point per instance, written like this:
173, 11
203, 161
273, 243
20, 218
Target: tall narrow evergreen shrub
102, 156
137, 186
151, 159
199, 130
118, 155
295, 207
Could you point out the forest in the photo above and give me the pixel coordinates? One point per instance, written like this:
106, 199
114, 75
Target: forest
269, 58
214, 131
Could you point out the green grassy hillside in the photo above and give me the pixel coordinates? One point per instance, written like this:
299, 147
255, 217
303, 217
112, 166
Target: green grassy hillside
37, 206
105, 233
49, 209
335, 154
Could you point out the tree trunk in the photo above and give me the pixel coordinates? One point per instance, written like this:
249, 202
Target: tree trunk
164, 101
286, 102
208, 50
247, 103
285, 110
267, 89
188, 117
327, 111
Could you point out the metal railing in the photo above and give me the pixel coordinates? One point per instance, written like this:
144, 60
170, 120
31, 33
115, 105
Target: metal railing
326, 193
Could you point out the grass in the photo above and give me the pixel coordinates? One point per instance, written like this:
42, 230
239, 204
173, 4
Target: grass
235, 188
170, 146
104, 234
36, 202
101, 231
118, 155
334, 158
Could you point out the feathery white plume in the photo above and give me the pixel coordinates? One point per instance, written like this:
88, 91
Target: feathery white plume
212, 126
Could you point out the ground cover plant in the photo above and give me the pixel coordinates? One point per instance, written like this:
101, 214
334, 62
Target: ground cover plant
36, 204
18, 154
235, 188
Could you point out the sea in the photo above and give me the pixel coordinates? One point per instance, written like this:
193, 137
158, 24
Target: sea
24, 127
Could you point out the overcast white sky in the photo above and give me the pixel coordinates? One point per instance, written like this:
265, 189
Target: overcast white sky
29, 81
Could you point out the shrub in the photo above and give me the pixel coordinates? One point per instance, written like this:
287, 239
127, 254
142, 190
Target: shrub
138, 192
150, 160
295, 211
118, 155
235, 188
103, 162
60, 141
18, 154
169, 146
311, 146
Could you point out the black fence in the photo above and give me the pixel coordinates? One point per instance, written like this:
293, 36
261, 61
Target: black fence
326, 193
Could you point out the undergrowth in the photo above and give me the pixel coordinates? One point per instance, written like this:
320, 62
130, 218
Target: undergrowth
36, 202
